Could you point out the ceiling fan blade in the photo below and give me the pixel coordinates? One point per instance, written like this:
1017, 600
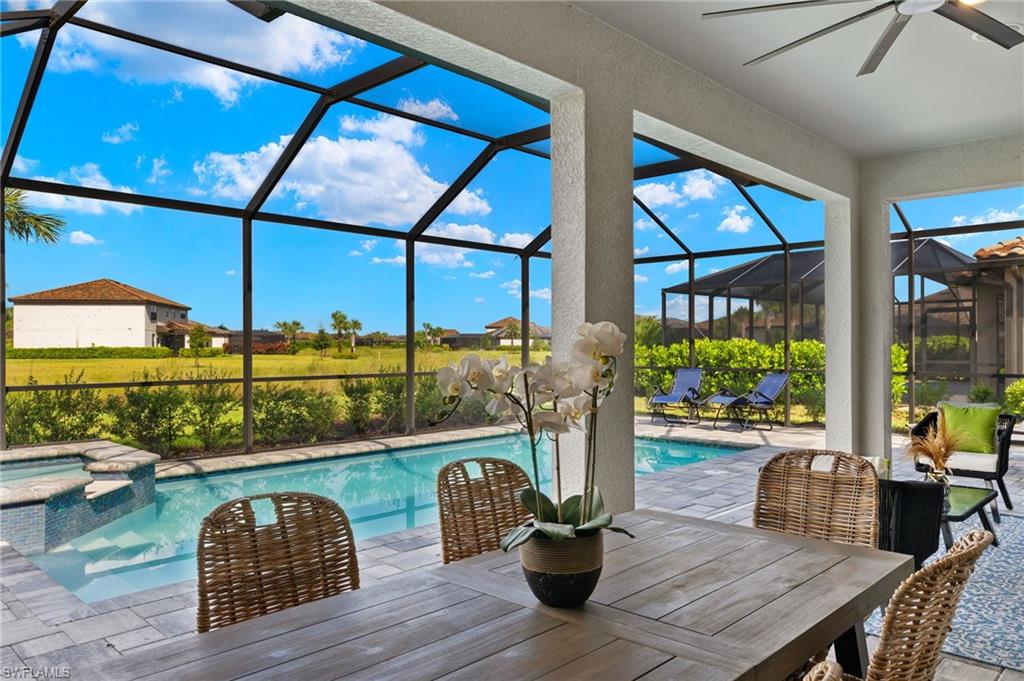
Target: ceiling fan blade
769, 8
980, 23
881, 48
825, 31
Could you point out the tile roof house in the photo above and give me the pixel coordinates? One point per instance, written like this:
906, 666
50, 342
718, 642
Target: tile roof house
102, 312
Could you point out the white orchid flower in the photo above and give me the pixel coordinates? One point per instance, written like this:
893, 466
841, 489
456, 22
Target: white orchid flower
551, 422
610, 340
503, 374
587, 375
476, 372
453, 385
586, 349
499, 406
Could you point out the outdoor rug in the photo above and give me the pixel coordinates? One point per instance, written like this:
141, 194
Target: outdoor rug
989, 622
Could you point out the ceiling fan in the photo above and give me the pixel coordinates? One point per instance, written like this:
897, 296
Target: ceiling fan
958, 11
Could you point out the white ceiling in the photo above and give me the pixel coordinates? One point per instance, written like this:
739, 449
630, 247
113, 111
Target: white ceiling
937, 85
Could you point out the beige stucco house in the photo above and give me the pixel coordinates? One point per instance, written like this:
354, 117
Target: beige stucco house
103, 312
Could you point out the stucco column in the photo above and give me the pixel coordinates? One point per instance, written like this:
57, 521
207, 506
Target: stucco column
873, 434
592, 268
840, 326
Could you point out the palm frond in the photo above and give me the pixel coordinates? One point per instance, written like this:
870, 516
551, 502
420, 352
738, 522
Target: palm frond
23, 223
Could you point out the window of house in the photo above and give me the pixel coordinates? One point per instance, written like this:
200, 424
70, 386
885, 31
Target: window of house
152, 316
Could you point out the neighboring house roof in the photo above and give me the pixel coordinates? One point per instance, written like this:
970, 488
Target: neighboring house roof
502, 323
185, 327
97, 291
1003, 249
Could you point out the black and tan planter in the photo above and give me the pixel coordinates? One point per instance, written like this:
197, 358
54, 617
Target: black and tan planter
563, 573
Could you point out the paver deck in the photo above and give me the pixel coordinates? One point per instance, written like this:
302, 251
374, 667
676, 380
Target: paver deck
44, 625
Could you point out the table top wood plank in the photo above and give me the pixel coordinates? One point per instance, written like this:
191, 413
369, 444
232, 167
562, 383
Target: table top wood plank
534, 657
620, 660
731, 603
686, 587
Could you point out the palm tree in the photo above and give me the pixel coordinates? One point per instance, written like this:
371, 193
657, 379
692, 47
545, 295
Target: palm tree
23, 223
341, 325
290, 330
354, 327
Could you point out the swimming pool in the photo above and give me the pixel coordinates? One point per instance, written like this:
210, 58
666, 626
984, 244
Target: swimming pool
12, 474
381, 493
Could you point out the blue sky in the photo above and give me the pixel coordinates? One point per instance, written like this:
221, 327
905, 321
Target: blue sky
116, 115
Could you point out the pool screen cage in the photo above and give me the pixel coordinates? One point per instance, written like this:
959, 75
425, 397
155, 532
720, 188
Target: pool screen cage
786, 257
49, 22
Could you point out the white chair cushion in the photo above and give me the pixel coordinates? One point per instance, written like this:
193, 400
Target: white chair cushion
824, 463
969, 461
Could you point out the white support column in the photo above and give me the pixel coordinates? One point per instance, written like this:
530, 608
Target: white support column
592, 268
840, 326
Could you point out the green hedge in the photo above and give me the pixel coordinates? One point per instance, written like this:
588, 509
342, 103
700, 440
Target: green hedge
1014, 397
97, 352
740, 353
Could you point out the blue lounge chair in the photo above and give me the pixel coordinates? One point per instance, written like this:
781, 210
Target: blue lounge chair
685, 391
760, 400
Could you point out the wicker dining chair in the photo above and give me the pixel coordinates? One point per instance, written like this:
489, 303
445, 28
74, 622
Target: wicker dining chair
819, 494
824, 671
919, 614
247, 570
477, 512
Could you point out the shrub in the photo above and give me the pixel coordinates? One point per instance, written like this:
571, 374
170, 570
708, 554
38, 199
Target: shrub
899, 357
930, 393
210, 409
813, 400
281, 348
359, 394
1014, 397
54, 415
389, 399
981, 393
154, 417
292, 414
947, 346
98, 352
202, 352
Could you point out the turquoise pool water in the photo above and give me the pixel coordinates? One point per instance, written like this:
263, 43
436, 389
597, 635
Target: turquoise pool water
10, 475
381, 493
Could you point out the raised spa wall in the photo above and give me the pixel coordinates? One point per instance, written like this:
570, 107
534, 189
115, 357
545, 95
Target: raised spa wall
41, 513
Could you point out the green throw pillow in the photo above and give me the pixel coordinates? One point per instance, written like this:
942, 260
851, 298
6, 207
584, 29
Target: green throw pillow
975, 424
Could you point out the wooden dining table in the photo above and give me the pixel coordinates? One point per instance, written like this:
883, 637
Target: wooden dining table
686, 599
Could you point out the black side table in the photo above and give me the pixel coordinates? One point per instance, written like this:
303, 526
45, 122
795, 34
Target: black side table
963, 503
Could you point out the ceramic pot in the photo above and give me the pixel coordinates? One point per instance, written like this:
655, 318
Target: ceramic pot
563, 574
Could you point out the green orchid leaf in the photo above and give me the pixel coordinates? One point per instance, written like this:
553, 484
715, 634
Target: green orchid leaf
596, 504
571, 509
556, 531
547, 511
603, 520
516, 537
621, 530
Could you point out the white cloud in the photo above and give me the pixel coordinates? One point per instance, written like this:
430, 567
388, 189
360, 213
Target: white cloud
734, 220
22, 164
396, 260
991, 215
479, 301
158, 171
702, 184
489, 274
639, 279
693, 216
80, 238
368, 244
643, 224
436, 108
374, 180
230, 273
355, 252
85, 175
541, 293
125, 133
288, 45
450, 257
677, 267
655, 194
516, 239
637, 252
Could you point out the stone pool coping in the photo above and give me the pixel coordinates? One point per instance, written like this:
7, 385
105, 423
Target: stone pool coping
234, 462
101, 457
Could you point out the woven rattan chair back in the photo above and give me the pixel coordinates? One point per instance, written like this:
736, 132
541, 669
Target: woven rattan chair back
836, 500
476, 512
247, 570
919, 614
824, 671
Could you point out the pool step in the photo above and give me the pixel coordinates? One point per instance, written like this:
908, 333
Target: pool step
97, 488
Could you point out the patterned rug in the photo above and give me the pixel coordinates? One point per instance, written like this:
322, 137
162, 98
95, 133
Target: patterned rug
989, 622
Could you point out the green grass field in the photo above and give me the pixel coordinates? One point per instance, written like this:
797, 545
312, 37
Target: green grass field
306, 363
